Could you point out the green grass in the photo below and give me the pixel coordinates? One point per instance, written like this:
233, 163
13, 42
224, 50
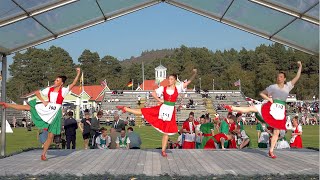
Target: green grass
151, 138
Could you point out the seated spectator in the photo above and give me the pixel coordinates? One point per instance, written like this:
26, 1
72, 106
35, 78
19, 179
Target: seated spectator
296, 140
220, 139
103, 140
179, 142
282, 141
135, 140
123, 141
243, 139
263, 135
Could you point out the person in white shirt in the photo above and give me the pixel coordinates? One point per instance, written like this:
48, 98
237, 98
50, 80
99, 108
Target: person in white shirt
103, 140
123, 141
273, 112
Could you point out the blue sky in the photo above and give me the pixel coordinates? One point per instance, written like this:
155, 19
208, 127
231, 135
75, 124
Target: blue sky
157, 27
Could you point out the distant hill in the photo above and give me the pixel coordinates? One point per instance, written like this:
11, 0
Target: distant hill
148, 56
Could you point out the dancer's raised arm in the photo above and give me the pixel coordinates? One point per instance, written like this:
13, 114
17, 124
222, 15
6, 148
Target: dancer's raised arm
191, 79
296, 78
75, 79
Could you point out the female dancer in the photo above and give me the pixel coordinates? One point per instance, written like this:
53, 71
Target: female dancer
296, 140
273, 112
162, 117
47, 114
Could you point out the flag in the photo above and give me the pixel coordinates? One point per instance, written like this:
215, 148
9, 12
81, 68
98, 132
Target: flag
130, 84
81, 82
237, 83
103, 83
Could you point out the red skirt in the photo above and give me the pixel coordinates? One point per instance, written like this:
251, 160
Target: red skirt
167, 127
232, 144
268, 118
297, 143
219, 136
188, 145
210, 145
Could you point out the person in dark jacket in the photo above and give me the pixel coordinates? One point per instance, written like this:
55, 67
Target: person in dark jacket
95, 128
70, 127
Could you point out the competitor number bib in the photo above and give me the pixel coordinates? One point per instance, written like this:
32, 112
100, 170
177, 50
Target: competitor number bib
166, 112
277, 111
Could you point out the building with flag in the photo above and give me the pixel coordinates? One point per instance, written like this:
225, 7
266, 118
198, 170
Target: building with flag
160, 80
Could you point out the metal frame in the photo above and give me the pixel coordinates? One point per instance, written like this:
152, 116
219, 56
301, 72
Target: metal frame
238, 26
150, 3
35, 12
28, 14
87, 25
3, 99
289, 11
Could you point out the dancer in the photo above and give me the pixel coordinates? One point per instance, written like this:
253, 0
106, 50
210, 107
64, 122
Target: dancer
273, 112
296, 141
47, 114
162, 117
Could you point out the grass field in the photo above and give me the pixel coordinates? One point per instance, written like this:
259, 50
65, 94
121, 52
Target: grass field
23, 139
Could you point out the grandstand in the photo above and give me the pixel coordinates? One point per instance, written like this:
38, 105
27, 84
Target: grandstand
229, 97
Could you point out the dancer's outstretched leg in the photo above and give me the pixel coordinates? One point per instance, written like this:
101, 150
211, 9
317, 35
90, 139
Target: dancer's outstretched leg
126, 109
15, 106
46, 146
241, 109
165, 138
274, 140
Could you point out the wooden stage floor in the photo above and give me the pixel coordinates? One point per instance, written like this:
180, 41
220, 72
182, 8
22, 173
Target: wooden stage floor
149, 162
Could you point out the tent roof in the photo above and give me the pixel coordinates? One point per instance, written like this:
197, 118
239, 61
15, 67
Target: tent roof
26, 23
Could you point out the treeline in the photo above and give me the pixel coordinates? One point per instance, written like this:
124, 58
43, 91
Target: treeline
256, 68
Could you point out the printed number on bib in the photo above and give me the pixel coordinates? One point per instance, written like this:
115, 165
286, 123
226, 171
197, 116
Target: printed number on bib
166, 112
53, 108
277, 111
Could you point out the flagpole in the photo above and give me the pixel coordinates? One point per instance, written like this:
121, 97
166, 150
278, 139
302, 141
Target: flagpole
132, 84
240, 84
213, 84
142, 76
81, 93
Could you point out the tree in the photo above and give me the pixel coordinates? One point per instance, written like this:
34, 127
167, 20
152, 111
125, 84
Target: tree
89, 63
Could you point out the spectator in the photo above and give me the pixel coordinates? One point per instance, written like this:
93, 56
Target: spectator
118, 124
207, 133
95, 126
14, 122
263, 135
70, 127
135, 140
85, 127
123, 141
63, 139
189, 132
282, 141
113, 137
103, 140
243, 138
296, 141
24, 122
178, 144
